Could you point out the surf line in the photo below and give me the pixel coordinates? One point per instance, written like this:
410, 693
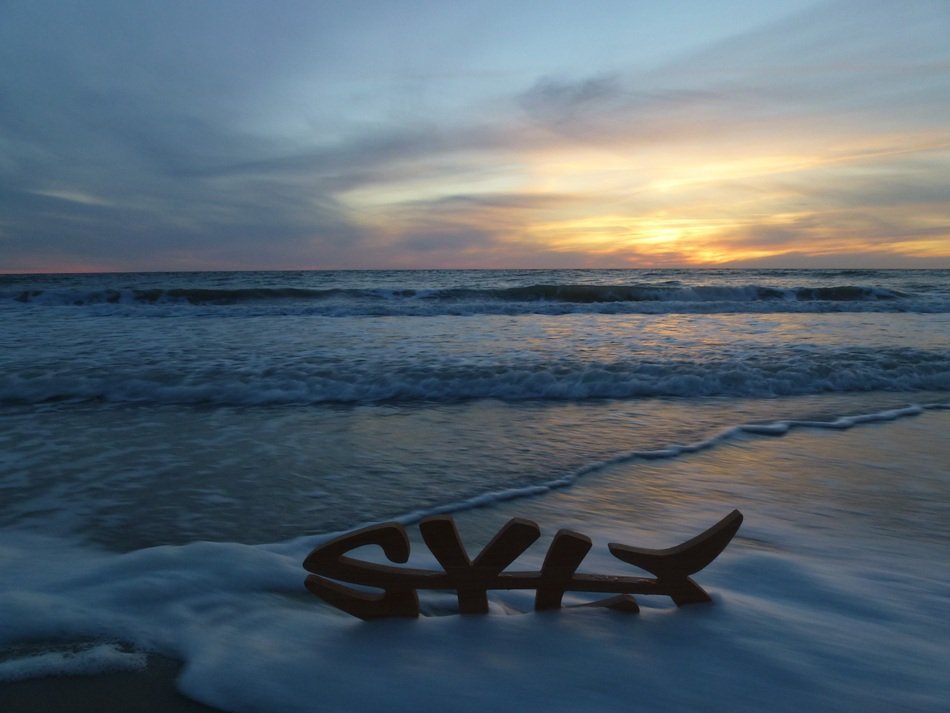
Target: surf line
330, 566
772, 429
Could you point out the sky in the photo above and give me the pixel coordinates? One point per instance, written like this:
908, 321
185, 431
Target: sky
242, 134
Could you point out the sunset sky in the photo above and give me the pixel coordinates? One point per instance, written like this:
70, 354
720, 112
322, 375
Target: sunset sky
414, 133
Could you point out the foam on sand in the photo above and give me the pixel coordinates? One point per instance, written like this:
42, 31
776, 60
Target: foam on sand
817, 605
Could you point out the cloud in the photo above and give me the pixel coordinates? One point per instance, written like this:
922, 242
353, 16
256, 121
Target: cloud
839, 67
231, 135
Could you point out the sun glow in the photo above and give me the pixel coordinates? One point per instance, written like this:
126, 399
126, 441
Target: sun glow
699, 203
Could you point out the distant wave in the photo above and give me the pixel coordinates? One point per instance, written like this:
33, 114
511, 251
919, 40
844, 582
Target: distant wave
584, 294
667, 296
775, 374
190, 295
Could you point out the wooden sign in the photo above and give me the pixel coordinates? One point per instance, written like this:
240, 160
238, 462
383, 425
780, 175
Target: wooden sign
471, 579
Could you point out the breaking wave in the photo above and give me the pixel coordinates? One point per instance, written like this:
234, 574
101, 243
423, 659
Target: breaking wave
539, 298
781, 373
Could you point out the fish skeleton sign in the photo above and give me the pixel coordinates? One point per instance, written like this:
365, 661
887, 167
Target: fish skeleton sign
472, 579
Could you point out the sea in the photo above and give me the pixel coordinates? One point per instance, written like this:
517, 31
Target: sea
172, 445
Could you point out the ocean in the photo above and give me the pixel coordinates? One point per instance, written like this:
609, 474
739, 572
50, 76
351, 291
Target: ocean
172, 445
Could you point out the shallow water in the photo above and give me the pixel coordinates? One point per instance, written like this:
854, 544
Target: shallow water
169, 456
831, 596
130, 476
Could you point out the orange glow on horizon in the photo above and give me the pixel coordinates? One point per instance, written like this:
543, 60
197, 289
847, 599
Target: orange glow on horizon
693, 205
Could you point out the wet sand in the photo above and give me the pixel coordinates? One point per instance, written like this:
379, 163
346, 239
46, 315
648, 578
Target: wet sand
149, 691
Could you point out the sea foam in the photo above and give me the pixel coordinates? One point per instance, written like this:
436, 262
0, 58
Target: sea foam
301, 380
823, 615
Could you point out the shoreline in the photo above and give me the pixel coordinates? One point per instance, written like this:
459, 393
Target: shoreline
773, 587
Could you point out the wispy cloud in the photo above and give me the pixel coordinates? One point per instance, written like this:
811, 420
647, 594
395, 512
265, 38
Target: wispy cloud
194, 137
